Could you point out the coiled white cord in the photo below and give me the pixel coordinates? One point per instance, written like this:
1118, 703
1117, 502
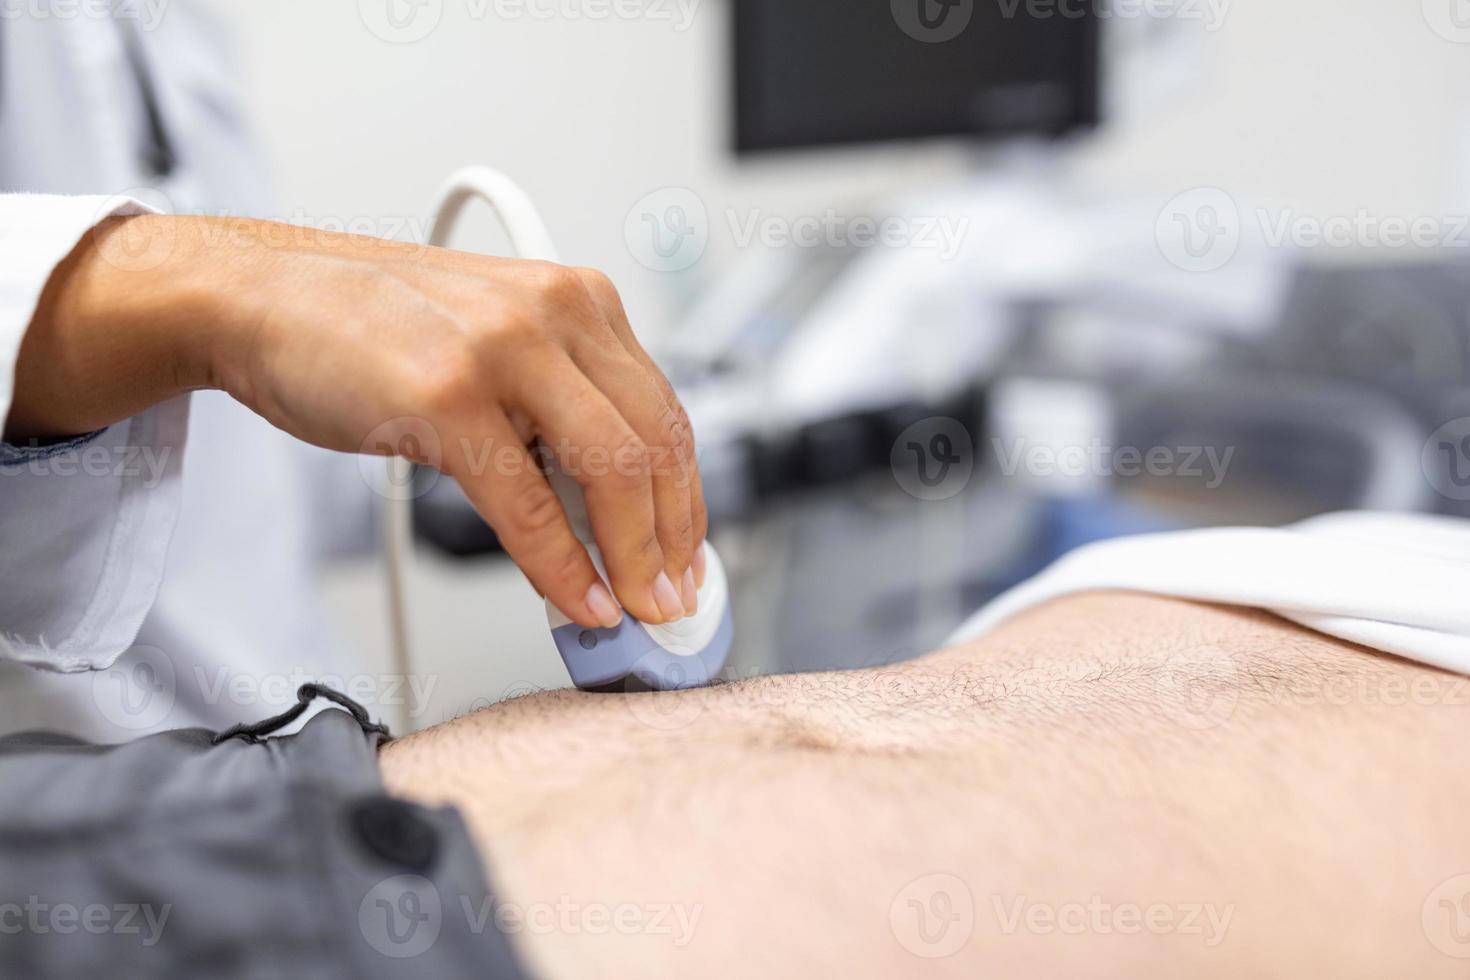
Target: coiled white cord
529, 240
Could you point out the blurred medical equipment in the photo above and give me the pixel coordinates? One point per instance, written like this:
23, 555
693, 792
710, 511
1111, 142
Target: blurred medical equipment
682, 654
1271, 390
1052, 323
830, 71
1275, 390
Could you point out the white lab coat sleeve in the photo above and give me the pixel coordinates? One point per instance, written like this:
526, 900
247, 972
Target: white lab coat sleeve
84, 524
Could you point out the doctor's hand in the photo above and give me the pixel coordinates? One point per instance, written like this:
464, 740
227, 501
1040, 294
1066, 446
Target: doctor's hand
362, 345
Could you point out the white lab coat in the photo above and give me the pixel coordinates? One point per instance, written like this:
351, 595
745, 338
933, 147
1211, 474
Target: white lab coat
143, 587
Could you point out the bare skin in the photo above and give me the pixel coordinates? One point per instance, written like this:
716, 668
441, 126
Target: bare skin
355, 344
1121, 786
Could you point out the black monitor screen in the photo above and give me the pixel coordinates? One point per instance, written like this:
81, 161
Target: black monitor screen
812, 72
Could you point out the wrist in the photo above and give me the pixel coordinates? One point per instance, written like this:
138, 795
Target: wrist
172, 285
143, 309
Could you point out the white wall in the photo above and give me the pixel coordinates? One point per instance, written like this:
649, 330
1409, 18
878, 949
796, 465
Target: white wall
1322, 105
1325, 105
589, 116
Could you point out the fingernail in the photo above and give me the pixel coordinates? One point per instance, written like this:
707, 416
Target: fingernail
602, 607
699, 566
691, 593
667, 598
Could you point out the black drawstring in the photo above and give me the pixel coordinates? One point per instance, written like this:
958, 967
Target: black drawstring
306, 694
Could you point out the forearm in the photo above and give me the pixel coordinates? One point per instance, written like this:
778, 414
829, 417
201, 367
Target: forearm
135, 315
151, 306
1101, 754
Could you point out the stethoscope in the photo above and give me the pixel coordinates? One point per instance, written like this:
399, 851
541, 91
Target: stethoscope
157, 152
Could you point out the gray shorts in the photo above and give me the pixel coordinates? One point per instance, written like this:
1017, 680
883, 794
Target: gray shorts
191, 854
